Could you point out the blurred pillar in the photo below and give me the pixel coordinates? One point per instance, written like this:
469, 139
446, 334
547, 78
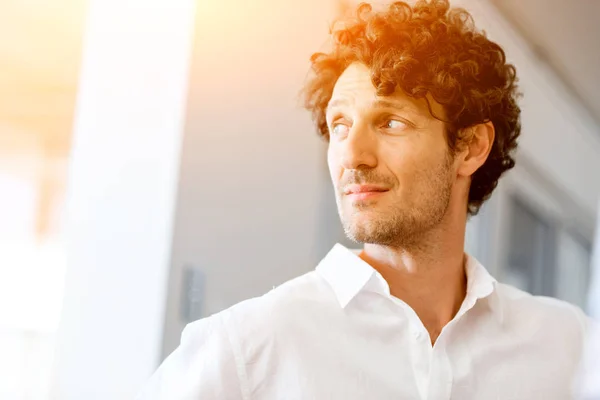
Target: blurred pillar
589, 387
121, 196
594, 294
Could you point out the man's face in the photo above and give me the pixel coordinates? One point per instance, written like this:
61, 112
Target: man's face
394, 143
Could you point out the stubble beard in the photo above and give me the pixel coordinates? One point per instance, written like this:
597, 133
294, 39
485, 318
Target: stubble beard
398, 225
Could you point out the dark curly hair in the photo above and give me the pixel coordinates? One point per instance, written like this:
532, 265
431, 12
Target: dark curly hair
429, 48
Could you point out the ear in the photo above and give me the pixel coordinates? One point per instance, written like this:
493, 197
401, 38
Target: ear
477, 144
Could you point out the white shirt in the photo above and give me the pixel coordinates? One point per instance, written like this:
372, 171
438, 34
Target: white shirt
337, 333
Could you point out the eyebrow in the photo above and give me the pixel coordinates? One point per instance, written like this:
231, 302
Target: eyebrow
389, 104
380, 103
336, 103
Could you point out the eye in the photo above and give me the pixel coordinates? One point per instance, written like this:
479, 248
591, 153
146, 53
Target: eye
338, 129
394, 124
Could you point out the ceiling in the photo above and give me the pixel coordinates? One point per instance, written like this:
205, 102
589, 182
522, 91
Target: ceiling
566, 35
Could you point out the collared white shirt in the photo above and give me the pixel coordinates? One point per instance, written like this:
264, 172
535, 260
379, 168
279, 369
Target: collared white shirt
337, 333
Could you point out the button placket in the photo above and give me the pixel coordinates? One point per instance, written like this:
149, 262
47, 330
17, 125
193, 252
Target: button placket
421, 359
421, 349
440, 382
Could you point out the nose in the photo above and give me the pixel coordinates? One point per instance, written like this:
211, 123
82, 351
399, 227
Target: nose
358, 149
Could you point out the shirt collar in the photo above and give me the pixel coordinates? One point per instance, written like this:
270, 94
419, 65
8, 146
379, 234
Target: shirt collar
480, 284
348, 275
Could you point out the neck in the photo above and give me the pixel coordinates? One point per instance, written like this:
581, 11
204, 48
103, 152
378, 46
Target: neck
429, 277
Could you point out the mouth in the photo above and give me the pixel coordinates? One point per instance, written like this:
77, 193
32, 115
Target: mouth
364, 192
365, 195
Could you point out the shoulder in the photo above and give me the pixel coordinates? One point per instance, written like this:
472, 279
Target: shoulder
202, 365
551, 316
288, 304
258, 331
213, 352
283, 307
525, 302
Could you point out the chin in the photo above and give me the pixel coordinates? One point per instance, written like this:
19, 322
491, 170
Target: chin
360, 230
355, 209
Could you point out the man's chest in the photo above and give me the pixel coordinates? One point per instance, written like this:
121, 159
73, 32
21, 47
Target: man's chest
405, 369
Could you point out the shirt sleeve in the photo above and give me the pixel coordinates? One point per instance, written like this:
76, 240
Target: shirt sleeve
587, 383
202, 367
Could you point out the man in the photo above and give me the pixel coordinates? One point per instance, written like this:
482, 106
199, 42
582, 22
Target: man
419, 111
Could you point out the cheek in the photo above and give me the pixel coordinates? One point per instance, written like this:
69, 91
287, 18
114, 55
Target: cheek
334, 169
410, 164
403, 161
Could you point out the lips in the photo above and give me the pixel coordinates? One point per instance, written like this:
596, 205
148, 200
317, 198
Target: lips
360, 189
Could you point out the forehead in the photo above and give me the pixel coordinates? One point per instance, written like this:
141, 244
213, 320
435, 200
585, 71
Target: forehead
355, 80
354, 87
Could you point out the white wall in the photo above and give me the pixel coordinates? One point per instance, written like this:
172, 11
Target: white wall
121, 196
567, 35
252, 166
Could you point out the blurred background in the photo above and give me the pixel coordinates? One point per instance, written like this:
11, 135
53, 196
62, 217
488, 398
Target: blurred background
156, 167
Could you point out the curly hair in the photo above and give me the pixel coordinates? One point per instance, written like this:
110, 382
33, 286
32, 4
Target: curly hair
428, 49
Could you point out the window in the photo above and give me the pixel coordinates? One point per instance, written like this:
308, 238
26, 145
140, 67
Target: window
544, 258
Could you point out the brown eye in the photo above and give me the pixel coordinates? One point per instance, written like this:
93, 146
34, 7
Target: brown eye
395, 124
